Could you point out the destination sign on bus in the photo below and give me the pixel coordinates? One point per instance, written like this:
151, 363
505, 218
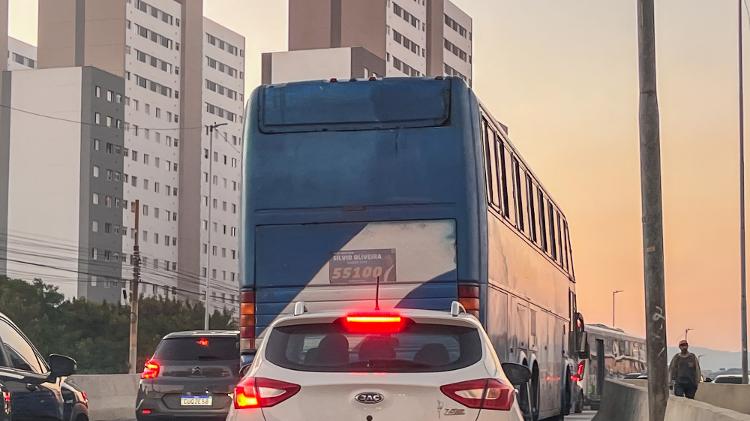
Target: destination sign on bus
362, 266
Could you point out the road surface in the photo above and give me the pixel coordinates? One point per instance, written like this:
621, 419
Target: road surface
586, 416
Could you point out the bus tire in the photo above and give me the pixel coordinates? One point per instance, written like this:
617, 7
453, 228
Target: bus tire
567, 396
535, 392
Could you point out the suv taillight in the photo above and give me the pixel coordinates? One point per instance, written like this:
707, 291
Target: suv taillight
468, 296
257, 392
481, 394
247, 321
151, 370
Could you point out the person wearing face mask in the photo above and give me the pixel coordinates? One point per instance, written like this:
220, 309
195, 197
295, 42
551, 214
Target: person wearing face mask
685, 372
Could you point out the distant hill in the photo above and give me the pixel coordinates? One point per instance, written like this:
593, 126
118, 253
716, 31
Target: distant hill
712, 359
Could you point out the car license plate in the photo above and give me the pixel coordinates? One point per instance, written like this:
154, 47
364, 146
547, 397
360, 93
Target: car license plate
196, 401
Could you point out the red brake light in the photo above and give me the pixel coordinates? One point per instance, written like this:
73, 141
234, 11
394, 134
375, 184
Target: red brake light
376, 322
247, 321
202, 342
481, 394
579, 373
6, 398
151, 370
258, 392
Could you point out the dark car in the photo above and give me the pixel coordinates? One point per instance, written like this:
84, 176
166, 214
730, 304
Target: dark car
191, 376
31, 387
76, 402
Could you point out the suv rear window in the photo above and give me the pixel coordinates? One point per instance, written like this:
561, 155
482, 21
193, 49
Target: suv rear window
330, 348
198, 349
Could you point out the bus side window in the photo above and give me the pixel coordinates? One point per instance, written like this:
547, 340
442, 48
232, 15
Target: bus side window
561, 246
552, 242
518, 195
533, 234
500, 153
510, 211
571, 266
542, 219
489, 160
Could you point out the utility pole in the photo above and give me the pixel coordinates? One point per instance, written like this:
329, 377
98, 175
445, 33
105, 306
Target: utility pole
133, 351
743, 265
651, 208
614, 293
211, 128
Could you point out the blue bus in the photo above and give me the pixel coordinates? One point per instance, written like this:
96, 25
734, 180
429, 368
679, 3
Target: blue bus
411, 184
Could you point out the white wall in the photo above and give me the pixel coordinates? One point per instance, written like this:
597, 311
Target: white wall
323, 64
44, 188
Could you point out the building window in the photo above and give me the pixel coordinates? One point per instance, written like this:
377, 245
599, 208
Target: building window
94, 226
98, 92
97, 118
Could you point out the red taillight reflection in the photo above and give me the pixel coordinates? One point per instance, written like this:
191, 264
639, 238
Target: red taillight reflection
259, 392
376, 322
151, 370
481, 394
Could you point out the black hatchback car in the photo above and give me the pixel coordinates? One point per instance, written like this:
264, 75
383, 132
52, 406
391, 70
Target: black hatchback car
191, 376
31, 388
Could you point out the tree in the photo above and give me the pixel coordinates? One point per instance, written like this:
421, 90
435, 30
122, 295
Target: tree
94, 334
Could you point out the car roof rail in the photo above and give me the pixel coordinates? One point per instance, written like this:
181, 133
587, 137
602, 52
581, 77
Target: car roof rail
300, 308
457, 308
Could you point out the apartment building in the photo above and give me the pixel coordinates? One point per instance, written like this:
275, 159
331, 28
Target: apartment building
221, 163
60, 201
362, 38
180, 73
21, 55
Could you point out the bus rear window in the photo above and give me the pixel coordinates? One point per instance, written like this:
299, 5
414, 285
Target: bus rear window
198, 349
361, 105
420, 348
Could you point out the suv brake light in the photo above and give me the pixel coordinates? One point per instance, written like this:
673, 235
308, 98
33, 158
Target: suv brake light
481, 394
257, 392
151, 370
374, 322
579, 373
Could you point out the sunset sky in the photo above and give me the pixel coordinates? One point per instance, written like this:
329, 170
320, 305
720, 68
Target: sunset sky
563, 76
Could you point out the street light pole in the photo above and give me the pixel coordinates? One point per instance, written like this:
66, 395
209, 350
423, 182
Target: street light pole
211, 128
613, 305
686, 332
743, 269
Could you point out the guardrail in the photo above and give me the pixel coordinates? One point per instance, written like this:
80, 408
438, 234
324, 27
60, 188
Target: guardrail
629, 402
111, 396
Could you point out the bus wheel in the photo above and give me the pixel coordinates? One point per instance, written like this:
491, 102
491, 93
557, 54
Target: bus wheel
535, 392
567, 397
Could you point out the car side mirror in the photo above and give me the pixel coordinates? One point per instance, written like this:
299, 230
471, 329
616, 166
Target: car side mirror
61, 366
244, 369
517, 374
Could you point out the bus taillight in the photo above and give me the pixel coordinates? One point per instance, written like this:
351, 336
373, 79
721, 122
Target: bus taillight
247, 321
468, 296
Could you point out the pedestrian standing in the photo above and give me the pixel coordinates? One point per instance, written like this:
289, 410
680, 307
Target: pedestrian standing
685, 372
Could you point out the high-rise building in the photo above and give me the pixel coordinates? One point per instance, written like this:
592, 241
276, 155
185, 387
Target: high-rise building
21, 55
60, 199
181, 73
361, 38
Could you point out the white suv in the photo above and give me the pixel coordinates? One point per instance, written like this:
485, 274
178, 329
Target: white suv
378, 366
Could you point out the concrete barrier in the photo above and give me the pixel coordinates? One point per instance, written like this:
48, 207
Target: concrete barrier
730, 396
111, 396
623, 402
682, 409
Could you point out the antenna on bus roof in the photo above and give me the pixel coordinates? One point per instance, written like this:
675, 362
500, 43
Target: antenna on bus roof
377, 294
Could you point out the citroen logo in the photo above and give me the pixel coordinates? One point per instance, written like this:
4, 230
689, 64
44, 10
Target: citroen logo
369, 398
197, 371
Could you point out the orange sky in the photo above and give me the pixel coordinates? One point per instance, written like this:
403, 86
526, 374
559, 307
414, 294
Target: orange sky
563, 76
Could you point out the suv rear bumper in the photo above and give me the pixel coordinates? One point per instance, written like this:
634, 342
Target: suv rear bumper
160, 411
